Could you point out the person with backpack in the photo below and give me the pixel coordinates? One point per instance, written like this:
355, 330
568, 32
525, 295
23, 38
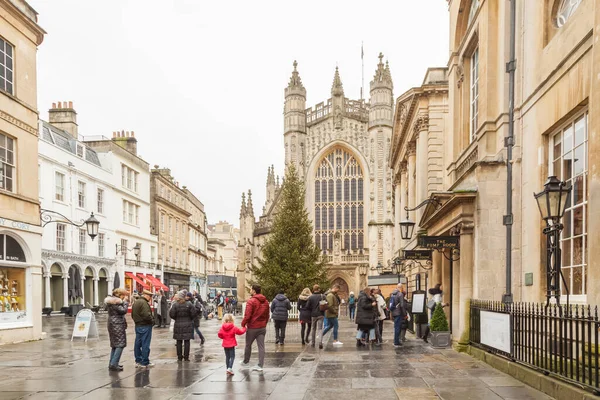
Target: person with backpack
331, 315
198, 306
399, 313
317, 304
280, 307
352, 305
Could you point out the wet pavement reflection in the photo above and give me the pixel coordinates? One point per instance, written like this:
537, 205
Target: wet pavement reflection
56, 368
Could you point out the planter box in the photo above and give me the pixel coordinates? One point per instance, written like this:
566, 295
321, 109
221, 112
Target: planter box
440, 339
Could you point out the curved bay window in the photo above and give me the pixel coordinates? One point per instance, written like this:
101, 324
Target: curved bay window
339, 201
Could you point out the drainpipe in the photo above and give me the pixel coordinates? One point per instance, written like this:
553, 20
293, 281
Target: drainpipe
509, 142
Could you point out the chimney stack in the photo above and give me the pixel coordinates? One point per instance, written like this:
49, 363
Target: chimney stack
63, 116
126, 140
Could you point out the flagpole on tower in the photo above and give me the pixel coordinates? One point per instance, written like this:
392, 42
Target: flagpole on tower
362, 59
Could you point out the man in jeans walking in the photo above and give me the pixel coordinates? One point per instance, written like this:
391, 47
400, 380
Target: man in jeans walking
142, 316
317, 316
398, 310
255, 320
331, 315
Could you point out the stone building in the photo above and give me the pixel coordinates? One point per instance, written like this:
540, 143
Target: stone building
129, 210
340, 148
198, 242
74, 183
556, 120
173, 209
20, 231
229, 235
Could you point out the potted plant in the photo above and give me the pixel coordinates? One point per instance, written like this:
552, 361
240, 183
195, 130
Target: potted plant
440, 333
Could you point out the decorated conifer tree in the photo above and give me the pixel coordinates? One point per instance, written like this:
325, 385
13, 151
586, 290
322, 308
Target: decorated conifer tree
290, 259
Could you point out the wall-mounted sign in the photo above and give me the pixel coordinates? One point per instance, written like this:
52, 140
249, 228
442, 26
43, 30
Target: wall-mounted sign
495, 330
439, 242
417, 254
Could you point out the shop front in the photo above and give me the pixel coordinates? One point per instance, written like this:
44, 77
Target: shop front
177, 282
222, 283
20, 282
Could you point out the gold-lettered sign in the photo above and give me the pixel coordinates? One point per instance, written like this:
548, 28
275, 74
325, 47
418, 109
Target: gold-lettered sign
439, 242
417, 254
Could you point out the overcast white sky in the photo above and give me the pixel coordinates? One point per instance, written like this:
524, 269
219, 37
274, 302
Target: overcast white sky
201, 82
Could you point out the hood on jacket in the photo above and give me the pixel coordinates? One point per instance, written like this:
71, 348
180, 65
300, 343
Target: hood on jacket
227, 326
260, 297
303, 297
113, 300
281, 297
395, 292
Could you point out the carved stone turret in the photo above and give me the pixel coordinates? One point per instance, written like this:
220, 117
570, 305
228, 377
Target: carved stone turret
382, 97
294, 122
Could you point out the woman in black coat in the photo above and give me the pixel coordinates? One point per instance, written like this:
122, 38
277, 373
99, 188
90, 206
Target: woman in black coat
366, 306
183, 312
117, 326
305, 315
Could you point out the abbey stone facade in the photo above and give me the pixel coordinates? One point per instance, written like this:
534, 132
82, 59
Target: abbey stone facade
340, 148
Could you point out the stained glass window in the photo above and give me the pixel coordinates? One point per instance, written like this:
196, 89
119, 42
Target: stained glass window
339, 182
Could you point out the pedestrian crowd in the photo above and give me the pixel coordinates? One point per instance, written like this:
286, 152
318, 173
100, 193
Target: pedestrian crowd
318, 314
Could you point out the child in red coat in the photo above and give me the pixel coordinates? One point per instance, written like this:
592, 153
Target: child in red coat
227, 333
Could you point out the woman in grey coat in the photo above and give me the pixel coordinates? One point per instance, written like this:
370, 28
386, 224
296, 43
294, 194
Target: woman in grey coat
183, 312
117, 326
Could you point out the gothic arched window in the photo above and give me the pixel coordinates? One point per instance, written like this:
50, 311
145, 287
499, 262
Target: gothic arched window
339, 200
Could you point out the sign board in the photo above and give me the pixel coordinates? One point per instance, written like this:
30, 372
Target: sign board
439, 242
417, 255
418, 302
85, 325
495, 330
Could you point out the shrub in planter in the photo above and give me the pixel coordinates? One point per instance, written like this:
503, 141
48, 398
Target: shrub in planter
438, 322
440, 332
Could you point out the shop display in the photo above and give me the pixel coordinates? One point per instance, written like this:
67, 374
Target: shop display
12, 282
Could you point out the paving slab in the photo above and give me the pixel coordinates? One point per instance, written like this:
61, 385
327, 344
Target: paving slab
57, 368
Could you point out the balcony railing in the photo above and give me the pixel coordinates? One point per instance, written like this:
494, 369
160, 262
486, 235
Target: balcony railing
142, 264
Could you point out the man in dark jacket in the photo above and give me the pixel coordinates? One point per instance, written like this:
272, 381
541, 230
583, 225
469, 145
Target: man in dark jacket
279, 312
317, 315
142, 316
255, 319
331, 315
398, 310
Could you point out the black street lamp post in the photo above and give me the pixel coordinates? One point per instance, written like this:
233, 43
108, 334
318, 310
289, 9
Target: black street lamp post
91, 224
552, 202
407, 226
136, 251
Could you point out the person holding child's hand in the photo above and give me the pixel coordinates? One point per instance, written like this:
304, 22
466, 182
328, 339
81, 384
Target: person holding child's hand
227, 333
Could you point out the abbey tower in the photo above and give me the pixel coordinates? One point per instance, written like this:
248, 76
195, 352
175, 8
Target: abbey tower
340, 148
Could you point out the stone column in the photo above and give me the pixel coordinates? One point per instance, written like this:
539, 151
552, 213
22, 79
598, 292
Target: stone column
436, 272
47, 301
96, 291
403, 195
412, 193
421, 170
397, 215
65, 290
466, 283
83, 291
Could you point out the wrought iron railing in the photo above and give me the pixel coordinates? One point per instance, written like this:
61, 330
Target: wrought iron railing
143, 264
557, 340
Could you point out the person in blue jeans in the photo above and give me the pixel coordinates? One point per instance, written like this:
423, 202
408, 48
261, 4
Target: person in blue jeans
352, 305
144, 321
399, 312
331, 315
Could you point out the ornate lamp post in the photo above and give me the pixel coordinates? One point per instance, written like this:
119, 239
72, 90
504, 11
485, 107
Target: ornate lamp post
91, 224
136, 251
407, 226
552, 202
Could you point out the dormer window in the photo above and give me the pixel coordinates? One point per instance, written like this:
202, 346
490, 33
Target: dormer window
565, 9
79, 150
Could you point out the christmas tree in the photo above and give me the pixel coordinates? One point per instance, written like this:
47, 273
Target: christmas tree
290, 259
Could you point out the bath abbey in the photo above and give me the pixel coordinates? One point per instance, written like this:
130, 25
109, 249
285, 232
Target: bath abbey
340, 148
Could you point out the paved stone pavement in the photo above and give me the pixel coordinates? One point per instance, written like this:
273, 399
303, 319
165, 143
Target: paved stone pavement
56, 368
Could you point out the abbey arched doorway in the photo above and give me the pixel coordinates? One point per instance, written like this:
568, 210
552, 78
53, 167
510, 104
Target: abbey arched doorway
343, 292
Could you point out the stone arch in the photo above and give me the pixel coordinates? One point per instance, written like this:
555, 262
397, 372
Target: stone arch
344, 291
89, 272
21, 242
103, 273
462, 22
57, 268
